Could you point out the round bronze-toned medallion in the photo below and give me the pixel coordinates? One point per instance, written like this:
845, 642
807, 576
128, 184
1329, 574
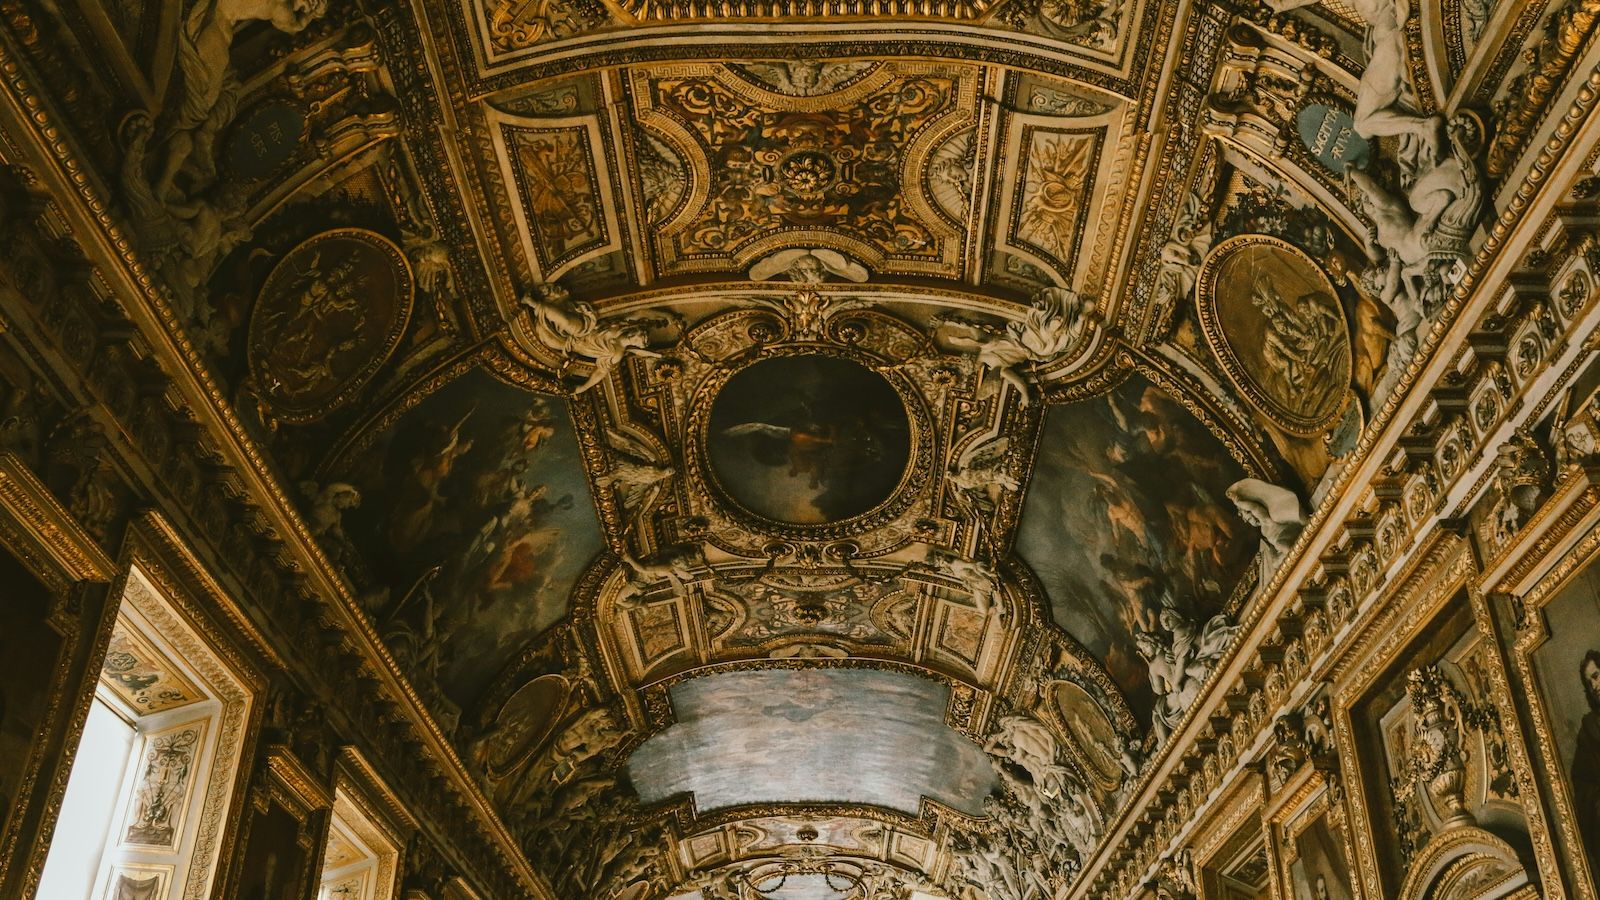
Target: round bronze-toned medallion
808, 440
1275, 323
329, 315
525, 722
1092, 731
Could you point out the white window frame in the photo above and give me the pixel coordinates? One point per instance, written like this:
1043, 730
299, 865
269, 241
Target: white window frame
189, 741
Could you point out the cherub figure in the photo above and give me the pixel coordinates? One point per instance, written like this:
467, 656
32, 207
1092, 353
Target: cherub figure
573, 328
1051, 326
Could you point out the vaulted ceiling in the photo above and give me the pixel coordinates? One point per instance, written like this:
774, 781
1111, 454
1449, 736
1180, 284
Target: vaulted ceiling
816, 448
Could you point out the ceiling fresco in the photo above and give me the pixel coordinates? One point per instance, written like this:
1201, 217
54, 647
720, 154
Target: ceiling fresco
1143, 484
794, 448
465, 521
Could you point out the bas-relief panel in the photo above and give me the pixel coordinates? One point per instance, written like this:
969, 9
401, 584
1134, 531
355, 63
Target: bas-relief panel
161, 797
1568, 669
563, 208
1052, 208
1311, 424
140, 883
812, 735
1126, 516
1273, 320
476, 520
328, 317
836, 151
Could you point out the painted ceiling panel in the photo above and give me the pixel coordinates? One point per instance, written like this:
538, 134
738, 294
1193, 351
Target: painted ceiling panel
843, 736
1156, 532
475, 522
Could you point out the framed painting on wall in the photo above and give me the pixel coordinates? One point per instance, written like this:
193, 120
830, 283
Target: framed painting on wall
1556, 601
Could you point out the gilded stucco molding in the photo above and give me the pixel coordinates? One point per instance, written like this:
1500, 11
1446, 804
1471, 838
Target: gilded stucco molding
90, 221
1277, 600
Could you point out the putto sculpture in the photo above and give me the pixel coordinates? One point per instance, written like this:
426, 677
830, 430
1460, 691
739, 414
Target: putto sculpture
1053, 324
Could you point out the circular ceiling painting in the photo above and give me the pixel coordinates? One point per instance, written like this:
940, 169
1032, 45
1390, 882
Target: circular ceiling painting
808, 440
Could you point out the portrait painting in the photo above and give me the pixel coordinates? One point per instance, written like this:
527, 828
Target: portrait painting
808, 440
328, 317
1320, 870
1127, 523
29, 646
475, 519
1276, 324
276, 862
752, 737
1567, 665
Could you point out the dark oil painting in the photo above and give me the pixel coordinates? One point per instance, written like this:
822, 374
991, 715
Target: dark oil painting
476, 521
1126, 516
807, 440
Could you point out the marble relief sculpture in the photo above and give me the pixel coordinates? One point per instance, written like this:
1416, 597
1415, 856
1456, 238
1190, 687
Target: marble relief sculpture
572, 328
1276, 511
1180, 660
1053, 324
209, 84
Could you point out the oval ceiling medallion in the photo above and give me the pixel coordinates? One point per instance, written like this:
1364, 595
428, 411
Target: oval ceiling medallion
1275, 323
330, 314
808, 440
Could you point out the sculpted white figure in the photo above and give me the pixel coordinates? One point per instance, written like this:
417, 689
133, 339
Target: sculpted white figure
185, 237
808, 266
1180, 663
1029, 744
325, 518
208, 98
1051, 326
980, 476
636, 474
1421, 240
1383, 107
1275, 511
642, 576
1080, 820
1186, 247
978, 577
573, 328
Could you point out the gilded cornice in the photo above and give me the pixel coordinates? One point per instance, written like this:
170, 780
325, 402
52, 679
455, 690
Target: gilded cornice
105, 243
50, 533
1126, 854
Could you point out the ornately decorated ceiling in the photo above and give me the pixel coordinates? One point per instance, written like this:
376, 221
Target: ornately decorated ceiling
824, 441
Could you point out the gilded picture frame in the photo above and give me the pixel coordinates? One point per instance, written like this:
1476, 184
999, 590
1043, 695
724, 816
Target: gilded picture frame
1552, 557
